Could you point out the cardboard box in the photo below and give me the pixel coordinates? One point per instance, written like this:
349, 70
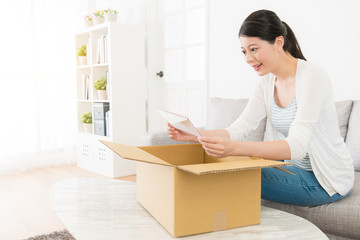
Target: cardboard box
189, 192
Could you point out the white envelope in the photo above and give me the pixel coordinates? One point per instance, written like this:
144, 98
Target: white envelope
179, 122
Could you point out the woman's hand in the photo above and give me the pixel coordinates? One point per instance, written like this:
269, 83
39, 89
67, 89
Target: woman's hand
179, 135
218, 147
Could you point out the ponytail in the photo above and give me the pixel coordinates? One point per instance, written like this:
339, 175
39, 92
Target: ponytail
267, 26
291, 44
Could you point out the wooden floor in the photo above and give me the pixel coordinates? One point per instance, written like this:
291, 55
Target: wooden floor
25, 207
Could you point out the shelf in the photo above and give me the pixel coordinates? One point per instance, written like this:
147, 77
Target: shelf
99, 27
105, 138
101, 101
93, 65
124, 53
84, 101
84, 34
100, 65
92, 101
83, 67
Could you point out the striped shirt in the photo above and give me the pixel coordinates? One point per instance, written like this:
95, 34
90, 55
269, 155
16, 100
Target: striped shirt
282, 119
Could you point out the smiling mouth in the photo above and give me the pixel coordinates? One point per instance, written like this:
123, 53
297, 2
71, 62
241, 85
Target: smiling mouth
257, 68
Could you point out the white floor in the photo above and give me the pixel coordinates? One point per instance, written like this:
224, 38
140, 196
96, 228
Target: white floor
25, 206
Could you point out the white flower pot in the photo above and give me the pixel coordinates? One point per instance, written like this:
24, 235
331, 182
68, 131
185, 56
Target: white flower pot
98, 20
88, 23
102, 95
88, 127
82, 60
110, 17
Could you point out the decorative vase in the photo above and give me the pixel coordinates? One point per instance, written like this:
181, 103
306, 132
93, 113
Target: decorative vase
110, 17
82, 60
88, 127
98, 20
102, 95
88, 23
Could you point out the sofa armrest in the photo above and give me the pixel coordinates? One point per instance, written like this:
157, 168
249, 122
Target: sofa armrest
160, 138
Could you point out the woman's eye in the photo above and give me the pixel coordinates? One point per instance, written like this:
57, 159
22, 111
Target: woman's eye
243, 52
253, 49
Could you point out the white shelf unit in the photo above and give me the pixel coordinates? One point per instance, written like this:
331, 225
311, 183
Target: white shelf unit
126, 89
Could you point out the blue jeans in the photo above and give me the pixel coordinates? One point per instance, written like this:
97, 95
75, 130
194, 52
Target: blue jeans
303, 189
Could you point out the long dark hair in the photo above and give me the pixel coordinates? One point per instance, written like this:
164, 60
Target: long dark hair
267, 26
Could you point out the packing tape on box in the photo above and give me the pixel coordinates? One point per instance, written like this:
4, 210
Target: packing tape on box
220, 220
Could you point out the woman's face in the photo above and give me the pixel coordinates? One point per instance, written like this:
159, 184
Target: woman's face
261, 55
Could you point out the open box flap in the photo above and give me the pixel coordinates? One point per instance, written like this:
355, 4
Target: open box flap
231, 166
134, 153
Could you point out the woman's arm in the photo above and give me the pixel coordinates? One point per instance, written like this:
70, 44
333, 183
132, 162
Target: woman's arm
215, 133
179, 135
217, 143
222, 147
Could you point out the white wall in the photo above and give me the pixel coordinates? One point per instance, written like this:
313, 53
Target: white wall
328, 32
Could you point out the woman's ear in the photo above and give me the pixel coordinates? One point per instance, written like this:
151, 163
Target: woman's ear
279, 42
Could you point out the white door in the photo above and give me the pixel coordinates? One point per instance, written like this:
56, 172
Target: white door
177, 59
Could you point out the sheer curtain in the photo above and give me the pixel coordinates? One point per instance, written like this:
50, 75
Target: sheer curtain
38, 103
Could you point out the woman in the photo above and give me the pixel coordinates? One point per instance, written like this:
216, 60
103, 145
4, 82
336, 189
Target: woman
296, 98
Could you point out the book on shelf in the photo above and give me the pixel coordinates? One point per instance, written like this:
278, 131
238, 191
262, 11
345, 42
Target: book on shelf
98, 52
107, 84
105, 40
87, 87
85, 80
107, 123
101, 53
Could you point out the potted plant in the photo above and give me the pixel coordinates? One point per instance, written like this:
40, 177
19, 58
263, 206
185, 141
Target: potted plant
111, 15
98, 16
88, 20
82, 55
86, 119
100, 86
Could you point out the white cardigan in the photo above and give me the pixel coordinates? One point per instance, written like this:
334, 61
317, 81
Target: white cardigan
315, 129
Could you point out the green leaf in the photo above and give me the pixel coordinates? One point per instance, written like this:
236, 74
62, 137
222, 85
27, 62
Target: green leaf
100, 83
86, 118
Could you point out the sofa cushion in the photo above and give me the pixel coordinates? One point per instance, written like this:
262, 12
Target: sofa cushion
223, 112
353, 134
343, 110
340, 218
